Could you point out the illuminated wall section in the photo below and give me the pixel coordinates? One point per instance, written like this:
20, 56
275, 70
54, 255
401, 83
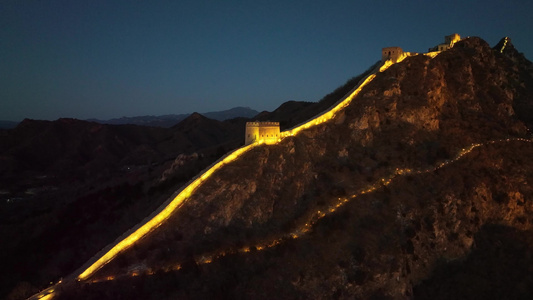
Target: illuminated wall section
452, 39
163, 215
505, 40
344, 103
186, 192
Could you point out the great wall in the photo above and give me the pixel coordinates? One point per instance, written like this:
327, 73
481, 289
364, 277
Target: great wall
253, 138
306, 225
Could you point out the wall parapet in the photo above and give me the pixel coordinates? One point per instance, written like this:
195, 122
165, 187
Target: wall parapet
252, 124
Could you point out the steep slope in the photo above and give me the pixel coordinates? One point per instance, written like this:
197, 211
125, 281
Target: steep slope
378, 245
520, 81
364, 205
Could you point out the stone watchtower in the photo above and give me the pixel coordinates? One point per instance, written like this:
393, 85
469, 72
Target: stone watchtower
391, 53
449, 41
261, 131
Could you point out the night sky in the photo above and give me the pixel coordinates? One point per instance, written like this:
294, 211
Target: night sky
107, 58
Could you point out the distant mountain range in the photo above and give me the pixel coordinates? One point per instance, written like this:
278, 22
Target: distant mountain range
168, 121
165, 121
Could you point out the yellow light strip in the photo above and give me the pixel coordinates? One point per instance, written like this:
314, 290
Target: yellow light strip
315, 217
385, 181
161, 216
46, 294
432, 54
344, 103
504, 44
187, 191
329, 114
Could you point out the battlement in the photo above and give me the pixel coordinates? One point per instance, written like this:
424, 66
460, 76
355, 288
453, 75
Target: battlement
262, 131
253, 124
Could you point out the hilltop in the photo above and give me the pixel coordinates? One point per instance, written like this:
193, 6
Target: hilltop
418, 189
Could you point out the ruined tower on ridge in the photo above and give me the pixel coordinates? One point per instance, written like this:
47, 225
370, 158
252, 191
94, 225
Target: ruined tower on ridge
391, 53
262, 131
449, 41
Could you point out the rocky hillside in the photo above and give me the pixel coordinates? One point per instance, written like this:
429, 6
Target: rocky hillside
420, 188
69, 187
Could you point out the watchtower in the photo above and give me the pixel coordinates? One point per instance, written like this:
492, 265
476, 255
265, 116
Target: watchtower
391, 53
261, 131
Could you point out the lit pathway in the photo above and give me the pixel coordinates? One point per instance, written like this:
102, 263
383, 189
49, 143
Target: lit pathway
46, 294
168, 208
312, 220
316, 216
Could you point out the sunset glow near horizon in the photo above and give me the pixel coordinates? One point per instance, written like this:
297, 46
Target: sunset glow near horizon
107, 59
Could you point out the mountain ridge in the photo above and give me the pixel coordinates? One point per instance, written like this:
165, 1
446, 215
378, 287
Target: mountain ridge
173, 119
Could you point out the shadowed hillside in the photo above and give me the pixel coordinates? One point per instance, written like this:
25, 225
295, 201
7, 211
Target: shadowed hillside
427, 166
69, 187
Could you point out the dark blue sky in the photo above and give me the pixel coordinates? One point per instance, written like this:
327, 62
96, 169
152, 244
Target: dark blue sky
109, 58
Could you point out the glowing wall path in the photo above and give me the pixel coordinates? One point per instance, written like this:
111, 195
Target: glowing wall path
330, 113
305, 226
170, 206
165, 213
